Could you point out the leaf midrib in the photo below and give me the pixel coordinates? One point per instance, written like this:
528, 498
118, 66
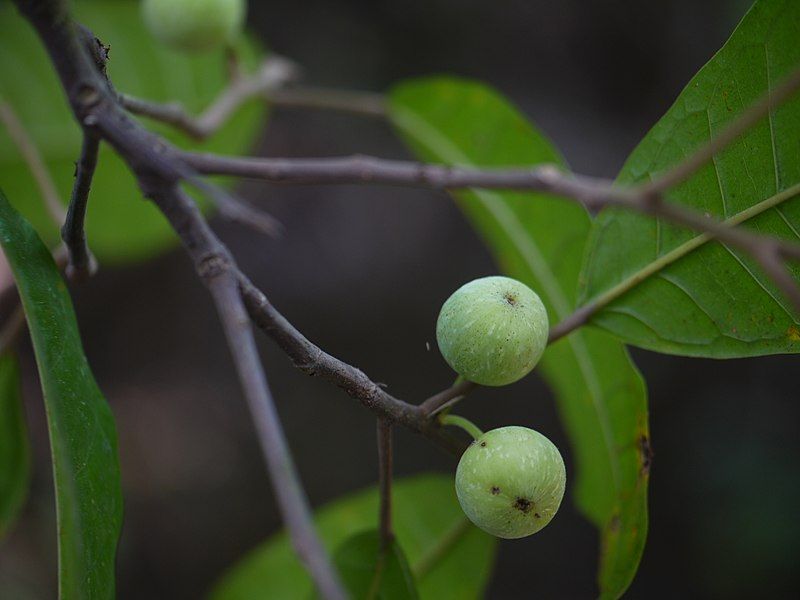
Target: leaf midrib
690, 245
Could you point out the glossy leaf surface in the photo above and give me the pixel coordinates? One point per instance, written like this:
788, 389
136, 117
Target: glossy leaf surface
715, 301
83, 439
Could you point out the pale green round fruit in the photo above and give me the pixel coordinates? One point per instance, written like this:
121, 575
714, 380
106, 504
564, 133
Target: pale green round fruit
493, 330
194, 25
510, 481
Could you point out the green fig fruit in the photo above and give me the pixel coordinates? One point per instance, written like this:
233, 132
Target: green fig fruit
510, 481
493, 330
194, 25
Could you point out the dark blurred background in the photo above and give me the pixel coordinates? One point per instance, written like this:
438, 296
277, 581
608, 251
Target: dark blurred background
363, 271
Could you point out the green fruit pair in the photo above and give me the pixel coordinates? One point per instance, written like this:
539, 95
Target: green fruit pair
510, 481
493, 330
194, 25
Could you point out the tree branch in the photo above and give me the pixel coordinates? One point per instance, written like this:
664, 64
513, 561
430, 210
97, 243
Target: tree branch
273, 82
217, 269
81, 262
595, 194
314, 361
447, 397
275, 72
292, 500
159, 170
157, 164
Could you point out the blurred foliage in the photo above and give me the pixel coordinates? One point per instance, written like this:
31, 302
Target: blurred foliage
369, 572
121, 225
449, 557
716, 301
83, 438
539, 240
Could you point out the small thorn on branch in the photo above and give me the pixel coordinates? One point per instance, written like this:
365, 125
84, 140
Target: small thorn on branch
447, 398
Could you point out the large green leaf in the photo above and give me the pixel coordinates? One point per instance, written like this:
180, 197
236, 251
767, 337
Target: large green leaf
370, 573
83, 439
121, 226
449, 558
14, 449
540, 240
713, 301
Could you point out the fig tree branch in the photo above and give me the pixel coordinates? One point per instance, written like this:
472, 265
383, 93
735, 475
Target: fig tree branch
314, 361
447, 397
81, 262
159, 169
216, 268
594, 193
272, 82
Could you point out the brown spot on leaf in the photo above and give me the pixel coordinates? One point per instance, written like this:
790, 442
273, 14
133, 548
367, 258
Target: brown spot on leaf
483, 444
793, 333
614, 523
510, 298
495, 490
646, 452
537, 515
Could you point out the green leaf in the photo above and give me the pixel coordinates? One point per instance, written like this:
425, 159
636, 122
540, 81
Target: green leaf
449, 558
121, 225
14, 450
713, 301
540, 240
370, 573
83, 439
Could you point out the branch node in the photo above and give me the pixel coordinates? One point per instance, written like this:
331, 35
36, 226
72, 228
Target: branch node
212, 265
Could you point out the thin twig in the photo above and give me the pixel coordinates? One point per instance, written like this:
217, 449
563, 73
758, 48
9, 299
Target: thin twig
81, 262
385, 460
593, 193
292, 500
235, 209
314, 361
275, 72
273, 82
217, 270
437, 402
31, 156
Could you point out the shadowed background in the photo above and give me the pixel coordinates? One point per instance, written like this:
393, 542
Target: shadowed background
362, 271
